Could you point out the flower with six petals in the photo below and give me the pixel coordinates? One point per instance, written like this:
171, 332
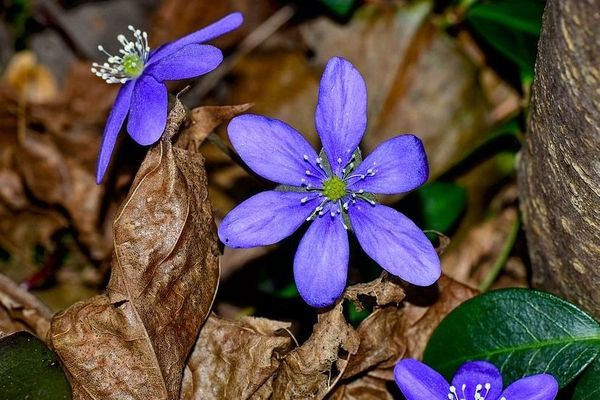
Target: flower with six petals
475, 380
143, 72
334, 190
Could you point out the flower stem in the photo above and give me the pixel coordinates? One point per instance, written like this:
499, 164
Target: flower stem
502, 257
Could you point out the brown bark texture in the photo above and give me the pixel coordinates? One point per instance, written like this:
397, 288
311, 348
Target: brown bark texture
559, 171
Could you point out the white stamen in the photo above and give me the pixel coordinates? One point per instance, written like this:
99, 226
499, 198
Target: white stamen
453, 394
303, 200
339, 160
307, 172
305, 157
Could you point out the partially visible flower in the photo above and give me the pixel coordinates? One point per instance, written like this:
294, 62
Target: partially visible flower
334, 190
475, 380
143, 72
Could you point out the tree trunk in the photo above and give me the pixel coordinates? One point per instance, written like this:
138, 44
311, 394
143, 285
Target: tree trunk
559, 172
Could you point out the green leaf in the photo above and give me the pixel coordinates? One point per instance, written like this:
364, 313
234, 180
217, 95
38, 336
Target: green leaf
521, 331
588, 387
288, 292
442, 204
339, 7
29, 370
512, 27
354, 316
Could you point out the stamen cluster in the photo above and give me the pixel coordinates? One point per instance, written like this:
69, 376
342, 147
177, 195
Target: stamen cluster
336, 193
128, 65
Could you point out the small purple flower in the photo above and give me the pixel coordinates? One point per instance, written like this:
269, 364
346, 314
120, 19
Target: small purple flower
143, 72
334, 190
475, 380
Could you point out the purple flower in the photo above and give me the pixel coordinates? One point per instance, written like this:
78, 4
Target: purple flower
475, 380
143, 72
334, 190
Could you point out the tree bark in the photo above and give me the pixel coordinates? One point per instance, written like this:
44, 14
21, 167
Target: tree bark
559, 171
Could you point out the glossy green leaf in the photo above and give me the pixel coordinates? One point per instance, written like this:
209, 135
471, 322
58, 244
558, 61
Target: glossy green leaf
521, 331
512, 27
339, 7
442, 204
588, 387
29, 370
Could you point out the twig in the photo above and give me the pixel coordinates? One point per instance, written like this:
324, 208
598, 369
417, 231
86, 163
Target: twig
502, 257
33, 312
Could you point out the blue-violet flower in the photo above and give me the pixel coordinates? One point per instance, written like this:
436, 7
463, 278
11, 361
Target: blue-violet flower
143, 72
334, 190
475, 380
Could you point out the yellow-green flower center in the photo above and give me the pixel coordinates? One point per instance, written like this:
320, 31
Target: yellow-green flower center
334, 188
132, 65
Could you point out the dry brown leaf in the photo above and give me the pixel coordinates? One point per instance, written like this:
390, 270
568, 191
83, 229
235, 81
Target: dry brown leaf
133, 342
391, 333
235, 359
19, 310
364, 388
385, 290
312, 370
379, 346
57, 180
421, 320
204, 120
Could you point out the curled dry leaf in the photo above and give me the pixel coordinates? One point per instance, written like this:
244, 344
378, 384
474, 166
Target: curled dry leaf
379, 346
133, 342
19, 310
385, 290
235, 359
392, 333
312, 370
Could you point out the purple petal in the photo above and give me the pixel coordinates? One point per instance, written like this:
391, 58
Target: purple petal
265, 218
418, 381
218, 28
112, 128
475, 373
395, 166
395, 243
321, 262
341, 116
535, 387
188, 62
148, 115
275, 150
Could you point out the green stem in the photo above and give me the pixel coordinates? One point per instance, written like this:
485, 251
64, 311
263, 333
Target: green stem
502, 257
